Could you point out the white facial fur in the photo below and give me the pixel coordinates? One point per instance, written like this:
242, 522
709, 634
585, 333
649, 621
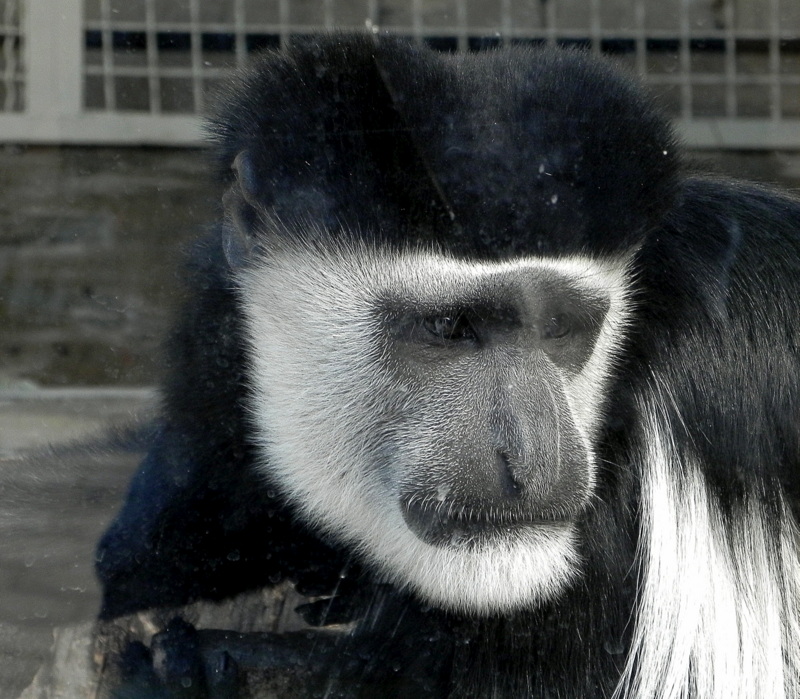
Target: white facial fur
325, 406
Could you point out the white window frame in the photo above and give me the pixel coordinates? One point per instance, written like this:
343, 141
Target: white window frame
53, 34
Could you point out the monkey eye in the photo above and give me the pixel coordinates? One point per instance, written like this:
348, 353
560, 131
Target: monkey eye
556, 326
450, 328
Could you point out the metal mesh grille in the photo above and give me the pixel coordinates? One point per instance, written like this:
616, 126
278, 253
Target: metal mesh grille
705, 59
11, 67
141, 71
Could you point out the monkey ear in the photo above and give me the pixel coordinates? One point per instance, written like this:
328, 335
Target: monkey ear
246, 177
242, 212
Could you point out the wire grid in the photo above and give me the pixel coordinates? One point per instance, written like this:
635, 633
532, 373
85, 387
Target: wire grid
165, 56
12, 73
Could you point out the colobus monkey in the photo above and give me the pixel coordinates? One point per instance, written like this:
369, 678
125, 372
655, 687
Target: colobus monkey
471, 353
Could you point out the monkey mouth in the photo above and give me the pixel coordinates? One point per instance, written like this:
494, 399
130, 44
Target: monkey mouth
468, 528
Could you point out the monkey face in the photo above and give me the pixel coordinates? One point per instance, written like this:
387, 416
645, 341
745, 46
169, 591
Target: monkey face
436, 414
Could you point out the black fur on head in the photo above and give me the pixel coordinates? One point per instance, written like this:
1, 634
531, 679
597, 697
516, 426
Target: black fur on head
506, 159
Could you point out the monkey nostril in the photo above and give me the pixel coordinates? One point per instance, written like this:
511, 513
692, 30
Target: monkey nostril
509, 485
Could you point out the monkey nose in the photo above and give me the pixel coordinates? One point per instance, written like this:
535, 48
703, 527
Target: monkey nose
508, 486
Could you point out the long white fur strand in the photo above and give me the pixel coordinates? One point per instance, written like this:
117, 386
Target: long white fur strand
718, 606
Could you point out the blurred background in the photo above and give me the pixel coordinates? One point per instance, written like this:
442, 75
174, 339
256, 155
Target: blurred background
104, 180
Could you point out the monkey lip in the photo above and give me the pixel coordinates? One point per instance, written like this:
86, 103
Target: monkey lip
438, 526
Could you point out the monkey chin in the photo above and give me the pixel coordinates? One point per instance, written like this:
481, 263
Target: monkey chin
496, 572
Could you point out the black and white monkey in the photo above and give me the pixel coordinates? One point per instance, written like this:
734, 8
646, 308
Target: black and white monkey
472, 352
